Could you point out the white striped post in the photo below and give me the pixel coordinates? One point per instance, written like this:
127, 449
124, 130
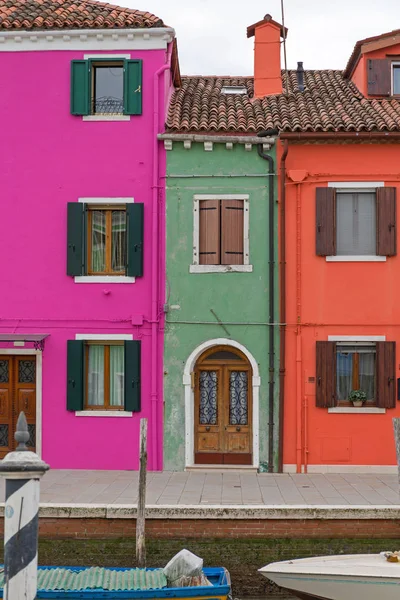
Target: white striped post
22, 470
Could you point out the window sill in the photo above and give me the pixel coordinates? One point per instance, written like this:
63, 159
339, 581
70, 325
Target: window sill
367, 410
106, 118
221, 269
361, 258
103, 413
104, 279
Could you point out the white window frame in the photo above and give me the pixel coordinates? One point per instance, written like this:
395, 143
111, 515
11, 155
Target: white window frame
195, 267
351, 186
357, 409
395, 63
105, 278
103, 337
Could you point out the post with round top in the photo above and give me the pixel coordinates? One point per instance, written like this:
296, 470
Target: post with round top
22, 470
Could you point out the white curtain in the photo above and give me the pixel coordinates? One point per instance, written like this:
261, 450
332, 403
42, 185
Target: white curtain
356, 223
367, 374
96, 376
118, 240
98, 241
366, 371
116, 375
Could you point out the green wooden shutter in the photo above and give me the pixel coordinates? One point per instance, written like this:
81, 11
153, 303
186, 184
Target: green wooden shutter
135, 222
75, 374
133, 87
79, 87
132, 376
76, 223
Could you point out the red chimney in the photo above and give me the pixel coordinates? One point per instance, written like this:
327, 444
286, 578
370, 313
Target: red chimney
267, 56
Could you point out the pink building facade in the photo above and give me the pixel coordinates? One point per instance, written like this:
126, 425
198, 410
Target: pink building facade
81, 319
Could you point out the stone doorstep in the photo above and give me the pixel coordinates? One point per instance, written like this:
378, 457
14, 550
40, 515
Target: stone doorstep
217, 511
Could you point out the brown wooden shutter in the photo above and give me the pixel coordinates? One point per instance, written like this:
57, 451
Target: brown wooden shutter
209, 237
386, 221
378, 72
385, 374
326, 374
326, 221
232, 212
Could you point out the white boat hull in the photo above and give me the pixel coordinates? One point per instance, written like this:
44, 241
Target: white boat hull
351, 577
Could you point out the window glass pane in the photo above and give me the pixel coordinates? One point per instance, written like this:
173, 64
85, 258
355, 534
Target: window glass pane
238, 398
96, 376
98, 236
118, 240
116, 375
355, 224
208, 398
355, 370
396, 79
108, 89
224, 355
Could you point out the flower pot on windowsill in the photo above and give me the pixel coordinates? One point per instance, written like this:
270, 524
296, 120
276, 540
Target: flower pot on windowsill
357, 397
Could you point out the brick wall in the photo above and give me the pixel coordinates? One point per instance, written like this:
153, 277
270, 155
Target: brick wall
96, 528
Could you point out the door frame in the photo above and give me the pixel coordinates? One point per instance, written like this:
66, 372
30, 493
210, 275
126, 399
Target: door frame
189, 397
39, 362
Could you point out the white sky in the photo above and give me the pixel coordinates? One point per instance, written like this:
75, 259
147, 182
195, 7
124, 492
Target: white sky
212, 33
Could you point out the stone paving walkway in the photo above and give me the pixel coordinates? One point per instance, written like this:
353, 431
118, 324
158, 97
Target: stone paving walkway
243, 489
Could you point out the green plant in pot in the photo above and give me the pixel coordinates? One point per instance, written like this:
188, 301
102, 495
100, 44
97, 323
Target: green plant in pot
357, 397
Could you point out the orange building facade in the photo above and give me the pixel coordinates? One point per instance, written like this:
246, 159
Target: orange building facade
342, 282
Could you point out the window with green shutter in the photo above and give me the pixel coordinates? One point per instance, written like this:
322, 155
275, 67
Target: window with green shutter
109, 87
103, 375
105, 239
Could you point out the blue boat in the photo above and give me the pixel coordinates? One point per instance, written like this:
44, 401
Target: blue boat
95, 583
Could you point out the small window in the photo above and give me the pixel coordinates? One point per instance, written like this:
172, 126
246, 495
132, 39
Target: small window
221, 232
238, 90
107, 96
355, 370
107, 241
396, 79
355, 223
104, 376
106, 88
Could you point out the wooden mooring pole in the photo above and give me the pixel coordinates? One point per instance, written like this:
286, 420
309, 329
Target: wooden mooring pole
396, 427
141, 504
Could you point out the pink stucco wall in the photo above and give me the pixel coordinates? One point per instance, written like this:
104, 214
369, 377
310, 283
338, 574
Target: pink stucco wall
49, 158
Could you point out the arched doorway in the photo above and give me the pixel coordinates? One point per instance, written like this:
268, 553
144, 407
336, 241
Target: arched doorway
223, 408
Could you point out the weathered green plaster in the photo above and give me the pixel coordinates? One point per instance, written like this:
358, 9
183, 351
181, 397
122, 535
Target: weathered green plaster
240, 299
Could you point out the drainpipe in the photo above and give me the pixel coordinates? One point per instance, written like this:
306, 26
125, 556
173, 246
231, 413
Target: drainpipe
155, 316
282, 346
271, 329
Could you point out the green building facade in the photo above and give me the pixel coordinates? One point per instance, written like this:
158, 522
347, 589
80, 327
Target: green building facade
219, 376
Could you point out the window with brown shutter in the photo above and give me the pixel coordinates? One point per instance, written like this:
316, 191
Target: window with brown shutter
232, 232
326, 374
386, 218
326, 221
378, 73
385, 374
221, 232
210, 234
356, 222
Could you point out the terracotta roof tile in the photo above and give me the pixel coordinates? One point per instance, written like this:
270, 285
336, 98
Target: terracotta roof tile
72, 14
329, 103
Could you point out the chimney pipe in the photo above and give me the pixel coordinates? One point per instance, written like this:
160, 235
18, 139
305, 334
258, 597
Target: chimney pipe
300, 76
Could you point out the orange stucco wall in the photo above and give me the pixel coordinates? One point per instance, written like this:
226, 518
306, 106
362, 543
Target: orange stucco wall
360, 77
335, 298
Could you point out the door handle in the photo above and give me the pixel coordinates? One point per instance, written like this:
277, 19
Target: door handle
238, 428
208, 428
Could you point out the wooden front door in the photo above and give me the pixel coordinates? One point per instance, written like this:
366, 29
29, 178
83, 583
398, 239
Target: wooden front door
17, 392
223, 408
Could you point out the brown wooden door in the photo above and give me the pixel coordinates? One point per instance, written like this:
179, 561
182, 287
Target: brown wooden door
17, 392
223, 408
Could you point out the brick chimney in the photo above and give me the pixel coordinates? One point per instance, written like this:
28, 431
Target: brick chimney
267, 56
